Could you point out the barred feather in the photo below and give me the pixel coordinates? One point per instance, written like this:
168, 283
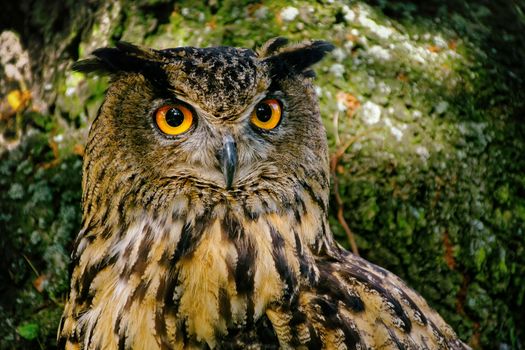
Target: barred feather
168, 258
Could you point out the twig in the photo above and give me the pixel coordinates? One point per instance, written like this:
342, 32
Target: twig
336, 127
31, 265
334, 161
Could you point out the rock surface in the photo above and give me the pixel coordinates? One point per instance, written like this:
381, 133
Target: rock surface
429, 98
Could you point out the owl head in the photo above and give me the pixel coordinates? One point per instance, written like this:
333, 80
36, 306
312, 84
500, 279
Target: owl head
220, 122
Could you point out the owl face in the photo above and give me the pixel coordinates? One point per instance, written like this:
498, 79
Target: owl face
229, 120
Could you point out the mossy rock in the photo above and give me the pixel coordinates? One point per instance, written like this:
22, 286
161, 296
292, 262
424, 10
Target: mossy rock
430, 98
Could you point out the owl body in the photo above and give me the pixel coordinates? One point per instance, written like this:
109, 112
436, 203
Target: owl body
205, 196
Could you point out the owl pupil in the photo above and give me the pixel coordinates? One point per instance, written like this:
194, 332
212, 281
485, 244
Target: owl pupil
174, 117
263, 112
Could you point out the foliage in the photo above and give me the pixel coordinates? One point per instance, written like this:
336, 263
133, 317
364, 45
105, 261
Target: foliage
39, 206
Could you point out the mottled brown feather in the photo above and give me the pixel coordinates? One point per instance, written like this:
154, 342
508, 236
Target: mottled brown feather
169, 257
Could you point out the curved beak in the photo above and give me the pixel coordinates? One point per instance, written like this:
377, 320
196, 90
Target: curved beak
228, 160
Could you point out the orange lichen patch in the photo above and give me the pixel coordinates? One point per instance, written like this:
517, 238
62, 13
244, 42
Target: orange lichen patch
434, 48
402, 77
453, 44
40, 282
18, 99
350, 101
351, 37
449, 251
78, 149
14, 102
212, 24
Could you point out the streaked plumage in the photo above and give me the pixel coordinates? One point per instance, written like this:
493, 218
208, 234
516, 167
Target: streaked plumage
170, 256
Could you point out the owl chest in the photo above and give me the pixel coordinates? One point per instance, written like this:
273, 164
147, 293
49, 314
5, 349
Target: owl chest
151, 297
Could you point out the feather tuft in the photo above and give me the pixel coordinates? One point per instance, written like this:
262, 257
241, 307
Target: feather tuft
295, 59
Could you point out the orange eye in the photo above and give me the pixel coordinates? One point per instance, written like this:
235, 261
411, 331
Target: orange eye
267, 114
174, 119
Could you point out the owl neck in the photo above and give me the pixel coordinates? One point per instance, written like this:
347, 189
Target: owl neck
201, 269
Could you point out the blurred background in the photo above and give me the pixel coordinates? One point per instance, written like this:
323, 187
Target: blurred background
424, 107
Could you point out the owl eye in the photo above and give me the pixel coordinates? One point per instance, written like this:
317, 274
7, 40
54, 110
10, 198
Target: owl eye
267, 114
174, 119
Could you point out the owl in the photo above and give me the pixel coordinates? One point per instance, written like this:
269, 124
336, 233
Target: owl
205, 214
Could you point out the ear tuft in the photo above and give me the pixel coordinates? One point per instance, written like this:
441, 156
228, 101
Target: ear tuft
125, 57
90, 65
271, 46
297, 59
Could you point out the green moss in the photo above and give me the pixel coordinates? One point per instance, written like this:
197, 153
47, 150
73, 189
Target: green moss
40, 217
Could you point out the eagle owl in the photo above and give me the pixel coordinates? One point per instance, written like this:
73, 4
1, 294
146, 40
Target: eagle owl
205, 224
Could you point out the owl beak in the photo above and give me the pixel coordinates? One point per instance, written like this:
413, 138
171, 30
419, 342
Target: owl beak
229, 160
